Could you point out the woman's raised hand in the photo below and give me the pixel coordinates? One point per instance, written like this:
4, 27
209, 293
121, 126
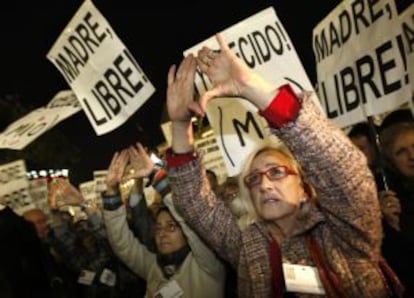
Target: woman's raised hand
180, 89
139, 161
230, 77
116, 171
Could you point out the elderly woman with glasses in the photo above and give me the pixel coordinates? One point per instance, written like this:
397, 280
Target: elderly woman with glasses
315, 219
182, 266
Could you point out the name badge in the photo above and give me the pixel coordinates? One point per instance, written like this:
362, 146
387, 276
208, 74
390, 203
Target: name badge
86, 277
170, 290
108, 277
302, 279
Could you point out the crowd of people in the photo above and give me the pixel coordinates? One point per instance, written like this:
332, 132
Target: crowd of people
335, 206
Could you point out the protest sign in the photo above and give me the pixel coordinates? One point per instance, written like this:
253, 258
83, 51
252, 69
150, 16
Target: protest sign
26, 129
109, 83
87, 189
99, 177
39, 192
211, 153
262, 42
359, 57
407, 23
14, 187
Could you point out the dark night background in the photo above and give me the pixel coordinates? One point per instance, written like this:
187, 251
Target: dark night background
155, 32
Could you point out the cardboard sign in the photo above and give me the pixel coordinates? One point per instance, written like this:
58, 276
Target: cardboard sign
14, 187
28, 128
359, 55
101, 71
263, 43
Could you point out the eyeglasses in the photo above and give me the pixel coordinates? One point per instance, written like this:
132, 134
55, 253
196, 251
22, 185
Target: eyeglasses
272, 173
169, 227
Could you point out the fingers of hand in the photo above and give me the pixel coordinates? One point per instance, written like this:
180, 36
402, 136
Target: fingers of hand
196, 108
186, 67
222, 42
206, 56
171, 74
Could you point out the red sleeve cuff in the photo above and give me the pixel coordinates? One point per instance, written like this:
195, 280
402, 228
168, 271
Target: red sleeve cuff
177, 160
283, 108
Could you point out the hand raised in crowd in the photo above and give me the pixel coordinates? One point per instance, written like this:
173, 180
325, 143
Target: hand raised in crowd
390, 208
140, 162
180, 91
180, 94
63, 193
116, 171
230, 76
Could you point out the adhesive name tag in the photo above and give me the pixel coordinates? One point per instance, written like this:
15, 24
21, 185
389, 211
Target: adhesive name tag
302, 279
86, 277
108, 277
170, 290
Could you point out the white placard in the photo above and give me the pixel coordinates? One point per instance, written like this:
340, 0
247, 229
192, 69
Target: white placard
263, 43
99, 179
212, 157
88, 191
407, 22
14, 187
26, 129
39, 192
359, 54
101, 71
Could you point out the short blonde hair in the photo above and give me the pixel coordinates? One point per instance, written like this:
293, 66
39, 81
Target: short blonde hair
245, 197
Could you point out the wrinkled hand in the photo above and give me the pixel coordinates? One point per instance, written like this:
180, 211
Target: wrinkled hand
116, 171
390, 208
140, 162
229, 75
180, 90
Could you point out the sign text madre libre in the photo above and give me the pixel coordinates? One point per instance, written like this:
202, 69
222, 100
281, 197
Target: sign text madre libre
108, 81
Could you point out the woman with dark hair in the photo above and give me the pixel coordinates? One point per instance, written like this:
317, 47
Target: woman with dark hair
182, 265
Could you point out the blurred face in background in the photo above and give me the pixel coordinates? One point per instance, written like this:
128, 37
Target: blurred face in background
212, 179
39, 220
402, 153
168, 234
363, 143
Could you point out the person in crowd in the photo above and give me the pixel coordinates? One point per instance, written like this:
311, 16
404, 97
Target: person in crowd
212, 179
22, 270
397, 141
229, 193
141, 217
81, 242
396, 116
39, 220
317, 211
365, 138
95, 258
61, 281
183, 265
